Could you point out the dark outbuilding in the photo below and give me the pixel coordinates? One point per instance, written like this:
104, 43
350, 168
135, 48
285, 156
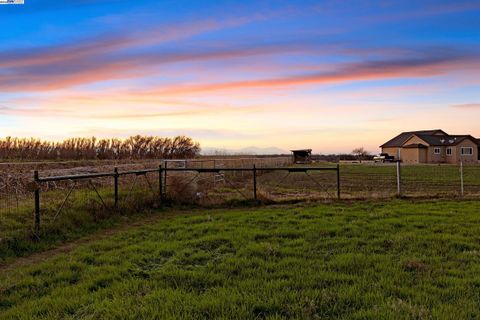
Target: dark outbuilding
302, 156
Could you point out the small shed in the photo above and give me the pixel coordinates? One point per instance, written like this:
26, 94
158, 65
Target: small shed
302, 156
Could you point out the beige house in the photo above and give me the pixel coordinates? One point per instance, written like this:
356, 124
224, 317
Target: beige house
433, 146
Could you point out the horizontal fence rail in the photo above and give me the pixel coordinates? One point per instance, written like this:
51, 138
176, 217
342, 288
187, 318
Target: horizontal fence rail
98, 175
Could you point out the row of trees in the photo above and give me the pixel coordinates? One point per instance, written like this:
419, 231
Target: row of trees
135, 147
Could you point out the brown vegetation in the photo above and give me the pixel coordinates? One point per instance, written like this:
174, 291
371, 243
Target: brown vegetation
135, 147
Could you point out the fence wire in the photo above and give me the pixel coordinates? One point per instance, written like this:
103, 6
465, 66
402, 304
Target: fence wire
368, 181
16, 206
138, 191
471, 180
209, 188
285, 186
430, 180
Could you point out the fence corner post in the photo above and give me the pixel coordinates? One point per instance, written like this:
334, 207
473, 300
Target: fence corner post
399, 188
115, 180
461, 179
254, 182
37, 204
338, 181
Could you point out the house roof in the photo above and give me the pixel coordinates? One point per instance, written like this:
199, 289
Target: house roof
430, 137
302, 150
450, 140
399, 140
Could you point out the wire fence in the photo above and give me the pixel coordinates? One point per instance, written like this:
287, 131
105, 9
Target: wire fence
67, 198
92, 197
387, 180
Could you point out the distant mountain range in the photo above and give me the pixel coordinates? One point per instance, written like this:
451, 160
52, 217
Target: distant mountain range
252, 150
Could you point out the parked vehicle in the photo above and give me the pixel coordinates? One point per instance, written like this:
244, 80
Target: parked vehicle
384, 157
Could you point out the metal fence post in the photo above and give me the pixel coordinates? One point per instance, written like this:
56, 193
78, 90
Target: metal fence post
399, 190
115, 181
37, 204
160, 184
254, 182
461, 178
338, 180
165, 178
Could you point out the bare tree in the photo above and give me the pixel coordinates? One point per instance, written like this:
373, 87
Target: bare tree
360, 153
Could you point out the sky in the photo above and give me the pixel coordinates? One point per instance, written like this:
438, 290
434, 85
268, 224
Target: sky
326, 75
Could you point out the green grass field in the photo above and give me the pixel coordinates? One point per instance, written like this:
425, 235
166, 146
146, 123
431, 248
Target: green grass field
379, 260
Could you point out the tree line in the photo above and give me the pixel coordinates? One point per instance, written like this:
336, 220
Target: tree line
134, 147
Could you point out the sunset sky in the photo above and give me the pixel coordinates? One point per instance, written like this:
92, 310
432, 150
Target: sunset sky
329, 75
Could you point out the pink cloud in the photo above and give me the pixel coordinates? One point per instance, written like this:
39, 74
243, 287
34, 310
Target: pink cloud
467, 106
85, 70
363, 71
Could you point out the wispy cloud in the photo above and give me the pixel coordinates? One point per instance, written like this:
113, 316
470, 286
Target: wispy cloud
180, 113
428, 66
198, 133
422, 11
467, 106
162, 109
51, 75
4, 110
422, 64
115, 41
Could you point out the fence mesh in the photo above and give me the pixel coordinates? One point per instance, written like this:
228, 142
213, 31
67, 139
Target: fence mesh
471, 178
137, 191
70, 202
286, 185
430, 180
16, 204
368, 181
209, 188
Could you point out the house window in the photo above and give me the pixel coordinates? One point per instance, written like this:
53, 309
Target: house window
466, 151
436, 150
449, 151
